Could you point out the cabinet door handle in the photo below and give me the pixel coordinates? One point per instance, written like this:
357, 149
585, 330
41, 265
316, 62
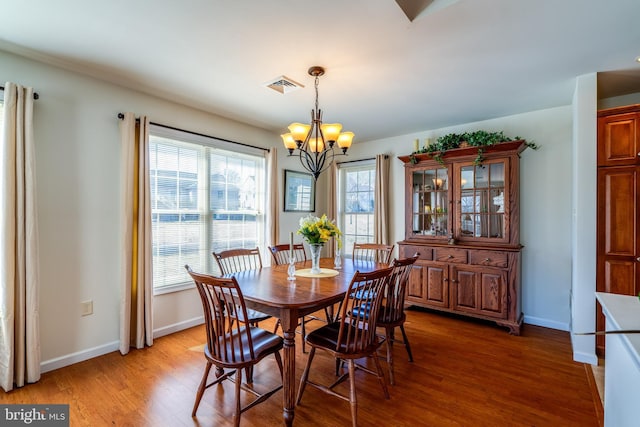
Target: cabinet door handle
487, 260
450, 257
454, 281
445, 280
638, 259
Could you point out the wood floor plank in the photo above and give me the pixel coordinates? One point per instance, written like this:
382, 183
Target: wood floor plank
465, 373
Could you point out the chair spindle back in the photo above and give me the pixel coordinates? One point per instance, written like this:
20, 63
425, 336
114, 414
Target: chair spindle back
280, 253
222, 303
357, 326
392, 307
235, 260
372, 252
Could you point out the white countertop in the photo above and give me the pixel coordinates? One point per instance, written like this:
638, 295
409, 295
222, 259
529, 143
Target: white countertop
623, 313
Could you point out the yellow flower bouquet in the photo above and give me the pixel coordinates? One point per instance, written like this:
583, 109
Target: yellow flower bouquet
319, 230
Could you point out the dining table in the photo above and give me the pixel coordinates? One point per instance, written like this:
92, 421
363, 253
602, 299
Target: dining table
270, 291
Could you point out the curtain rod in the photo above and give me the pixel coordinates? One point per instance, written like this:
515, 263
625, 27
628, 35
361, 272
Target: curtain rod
121, 116
35, 94
386, 156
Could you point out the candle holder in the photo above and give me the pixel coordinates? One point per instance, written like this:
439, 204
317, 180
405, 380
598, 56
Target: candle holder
291, 270
337, 261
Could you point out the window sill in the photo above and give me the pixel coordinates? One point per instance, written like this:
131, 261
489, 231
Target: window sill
173, 288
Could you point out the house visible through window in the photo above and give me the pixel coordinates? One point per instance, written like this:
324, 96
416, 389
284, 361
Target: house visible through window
356, 185
205, 197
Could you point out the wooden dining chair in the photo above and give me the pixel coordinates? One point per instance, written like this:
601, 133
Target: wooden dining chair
235, 260
372, 252
352, 337
280, 254
239, 259
391, 314
230, 344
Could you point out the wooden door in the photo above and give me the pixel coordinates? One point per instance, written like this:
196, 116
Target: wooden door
416, 284
618, 139
479, 290
618, 261
437, 281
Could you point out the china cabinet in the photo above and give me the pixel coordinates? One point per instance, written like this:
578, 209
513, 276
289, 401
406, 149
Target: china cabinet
463, 220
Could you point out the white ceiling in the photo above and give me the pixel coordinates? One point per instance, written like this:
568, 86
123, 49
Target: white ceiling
457, 62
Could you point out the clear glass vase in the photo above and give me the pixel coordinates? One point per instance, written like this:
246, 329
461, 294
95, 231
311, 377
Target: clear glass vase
316, 249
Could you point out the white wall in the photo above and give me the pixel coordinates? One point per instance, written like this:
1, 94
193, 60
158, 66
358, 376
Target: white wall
545, 204
77, 157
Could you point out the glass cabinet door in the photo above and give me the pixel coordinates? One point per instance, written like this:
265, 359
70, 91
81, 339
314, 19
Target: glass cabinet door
430, 202
483, 198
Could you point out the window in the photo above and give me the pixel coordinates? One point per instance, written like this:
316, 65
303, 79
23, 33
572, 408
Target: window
355, 208
206, 195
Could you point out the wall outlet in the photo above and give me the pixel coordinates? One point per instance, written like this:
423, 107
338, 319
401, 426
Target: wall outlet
86, 308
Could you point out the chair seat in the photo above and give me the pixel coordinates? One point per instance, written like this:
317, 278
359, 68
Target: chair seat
327, 337
238, 353
254, 316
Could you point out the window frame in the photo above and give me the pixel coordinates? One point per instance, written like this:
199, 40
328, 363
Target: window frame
208, 147
343, 170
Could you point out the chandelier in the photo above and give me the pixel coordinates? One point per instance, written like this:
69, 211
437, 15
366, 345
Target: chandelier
315, 141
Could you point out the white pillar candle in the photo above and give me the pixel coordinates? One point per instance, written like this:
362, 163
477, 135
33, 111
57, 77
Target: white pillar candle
291, 246
416, 145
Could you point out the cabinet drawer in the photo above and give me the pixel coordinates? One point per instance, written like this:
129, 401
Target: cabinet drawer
450, 255
426, 253
489, 258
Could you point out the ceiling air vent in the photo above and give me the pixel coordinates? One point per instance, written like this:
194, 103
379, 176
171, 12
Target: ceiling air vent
283, 84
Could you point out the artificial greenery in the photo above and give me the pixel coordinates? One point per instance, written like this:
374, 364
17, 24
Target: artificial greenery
478, 139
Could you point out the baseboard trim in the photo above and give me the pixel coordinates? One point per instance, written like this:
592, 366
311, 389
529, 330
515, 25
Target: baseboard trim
90, 353
546, 323
177, 327
80, 356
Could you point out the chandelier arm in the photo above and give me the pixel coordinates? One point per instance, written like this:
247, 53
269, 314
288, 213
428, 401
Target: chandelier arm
308, 162
304, 162
320, 162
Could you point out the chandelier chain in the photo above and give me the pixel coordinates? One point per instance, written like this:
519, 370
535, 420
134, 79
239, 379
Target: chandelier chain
316, 85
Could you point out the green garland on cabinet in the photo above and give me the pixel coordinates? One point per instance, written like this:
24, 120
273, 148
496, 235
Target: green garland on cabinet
478, 139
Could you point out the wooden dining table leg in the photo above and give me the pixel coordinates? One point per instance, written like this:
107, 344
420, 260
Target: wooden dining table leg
289, 323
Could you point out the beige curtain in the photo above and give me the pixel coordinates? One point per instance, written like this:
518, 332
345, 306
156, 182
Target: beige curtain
19, 317
381, 207
136, 316
273, 206
332, 202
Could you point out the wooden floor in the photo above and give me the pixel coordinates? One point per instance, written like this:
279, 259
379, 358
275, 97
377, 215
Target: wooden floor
464, 373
